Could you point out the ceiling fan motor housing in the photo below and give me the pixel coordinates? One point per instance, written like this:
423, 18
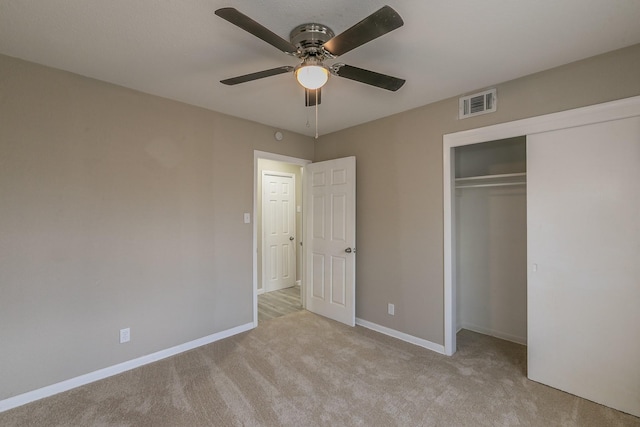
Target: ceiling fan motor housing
309, 38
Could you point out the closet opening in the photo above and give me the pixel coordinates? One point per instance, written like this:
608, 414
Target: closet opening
490, 234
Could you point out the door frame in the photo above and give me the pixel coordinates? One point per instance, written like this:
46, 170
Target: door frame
280, 158
263, 252
613, 110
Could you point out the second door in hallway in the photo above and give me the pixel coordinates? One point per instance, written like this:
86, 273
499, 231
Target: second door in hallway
278, 216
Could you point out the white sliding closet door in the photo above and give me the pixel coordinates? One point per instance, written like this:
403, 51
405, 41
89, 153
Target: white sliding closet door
583, 212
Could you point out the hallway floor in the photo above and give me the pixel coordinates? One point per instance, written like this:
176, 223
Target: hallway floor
278, 303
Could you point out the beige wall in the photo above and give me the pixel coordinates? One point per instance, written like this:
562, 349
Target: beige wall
491, 251
399, 183
117, 209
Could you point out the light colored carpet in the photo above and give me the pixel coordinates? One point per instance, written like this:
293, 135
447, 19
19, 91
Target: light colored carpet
305, 370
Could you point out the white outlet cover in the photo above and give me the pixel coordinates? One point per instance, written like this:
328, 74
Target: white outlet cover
125, 335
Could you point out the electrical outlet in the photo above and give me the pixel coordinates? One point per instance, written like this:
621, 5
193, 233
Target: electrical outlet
391, 309
125, 335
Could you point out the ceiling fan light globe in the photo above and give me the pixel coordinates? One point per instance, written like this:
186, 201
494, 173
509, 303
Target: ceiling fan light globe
312, 76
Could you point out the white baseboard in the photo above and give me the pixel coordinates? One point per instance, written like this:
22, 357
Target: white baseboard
262, 291
30, 396
401, 336
491, 332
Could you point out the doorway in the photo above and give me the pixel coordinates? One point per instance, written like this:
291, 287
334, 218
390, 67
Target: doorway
326, 267
287, 295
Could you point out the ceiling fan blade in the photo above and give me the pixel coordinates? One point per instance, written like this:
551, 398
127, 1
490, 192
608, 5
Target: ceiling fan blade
369, 77
375, 25
243, 21
258, 75
312, 97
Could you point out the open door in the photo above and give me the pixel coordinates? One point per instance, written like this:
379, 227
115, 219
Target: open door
329, 238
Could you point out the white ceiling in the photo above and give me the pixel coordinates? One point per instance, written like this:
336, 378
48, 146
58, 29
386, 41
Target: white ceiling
180, 49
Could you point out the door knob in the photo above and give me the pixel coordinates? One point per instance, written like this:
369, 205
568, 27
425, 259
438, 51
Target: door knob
348, 250
291, 238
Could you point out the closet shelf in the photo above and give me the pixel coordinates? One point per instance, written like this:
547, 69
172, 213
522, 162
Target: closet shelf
501, 180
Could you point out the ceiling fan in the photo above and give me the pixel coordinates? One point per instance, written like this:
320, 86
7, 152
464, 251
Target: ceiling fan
313, 44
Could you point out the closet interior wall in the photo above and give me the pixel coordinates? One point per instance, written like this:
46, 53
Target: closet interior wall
491, 238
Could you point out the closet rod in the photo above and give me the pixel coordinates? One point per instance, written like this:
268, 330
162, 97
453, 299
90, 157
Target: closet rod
498, 176
497, 184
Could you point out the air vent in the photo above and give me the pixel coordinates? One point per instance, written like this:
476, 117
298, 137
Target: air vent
478, 103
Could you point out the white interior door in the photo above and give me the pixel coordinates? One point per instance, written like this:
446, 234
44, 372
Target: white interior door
330, 236
583, 232
278, 225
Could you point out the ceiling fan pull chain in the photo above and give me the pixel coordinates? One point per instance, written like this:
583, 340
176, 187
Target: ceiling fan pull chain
316, 114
